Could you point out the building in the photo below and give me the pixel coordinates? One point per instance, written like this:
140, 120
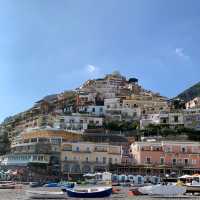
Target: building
192, 118
116, 110
167, 156
85, 157
194, 103
164, 119
149, 103
77, 122
92, 110
38, 146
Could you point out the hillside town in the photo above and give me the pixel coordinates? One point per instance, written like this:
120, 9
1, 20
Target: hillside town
107, 124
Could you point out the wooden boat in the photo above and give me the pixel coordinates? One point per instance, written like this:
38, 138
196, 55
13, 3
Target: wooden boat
45, 195
94, 192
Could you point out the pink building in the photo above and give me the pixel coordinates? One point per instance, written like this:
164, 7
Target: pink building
167, 153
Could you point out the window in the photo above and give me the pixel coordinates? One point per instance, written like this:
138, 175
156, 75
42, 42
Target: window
100, 109
65, 157
33, 139
186, 162
110, 160
104, 160
194, 162
148, 160
88, 149
93, 109
97, 159
183, 150
162, 161
86, 159
174, 161
176, 118
77, 149
116, 161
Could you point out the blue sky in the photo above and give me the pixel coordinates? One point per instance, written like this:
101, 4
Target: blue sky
49, 46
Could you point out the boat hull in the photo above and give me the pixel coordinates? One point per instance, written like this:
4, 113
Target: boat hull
98, 194
164, 190
192, 188
45, 195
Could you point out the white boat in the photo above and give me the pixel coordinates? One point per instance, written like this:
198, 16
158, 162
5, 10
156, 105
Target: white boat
45, 194
192, 183
163, 190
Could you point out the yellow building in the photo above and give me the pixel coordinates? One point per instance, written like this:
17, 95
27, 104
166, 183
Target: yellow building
147, 103
85, 157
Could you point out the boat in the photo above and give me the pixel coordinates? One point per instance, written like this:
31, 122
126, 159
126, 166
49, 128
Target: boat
60, 184
45, 194
36, 184
93, 192
163, 190
191, 182
7, 185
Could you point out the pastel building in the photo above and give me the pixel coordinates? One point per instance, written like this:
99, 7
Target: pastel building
38, 146
173, 155
85, 157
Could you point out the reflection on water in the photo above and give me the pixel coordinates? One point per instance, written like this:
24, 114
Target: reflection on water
19, 194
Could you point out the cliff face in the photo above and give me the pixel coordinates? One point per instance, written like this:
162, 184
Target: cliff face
190, 93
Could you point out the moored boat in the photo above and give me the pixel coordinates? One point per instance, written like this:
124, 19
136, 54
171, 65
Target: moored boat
36, 184
191, 182
45, 194
163, 190
7, 185
93, 192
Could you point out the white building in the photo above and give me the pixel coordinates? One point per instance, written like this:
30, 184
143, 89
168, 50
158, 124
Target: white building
77, 121
192, 118
194, 103
92, 110
163, 118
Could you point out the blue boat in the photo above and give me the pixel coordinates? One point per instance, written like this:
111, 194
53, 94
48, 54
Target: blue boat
93, 192
64, 184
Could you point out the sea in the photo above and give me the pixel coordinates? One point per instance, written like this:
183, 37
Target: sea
20, 194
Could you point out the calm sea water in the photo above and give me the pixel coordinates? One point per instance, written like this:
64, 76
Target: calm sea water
19, 194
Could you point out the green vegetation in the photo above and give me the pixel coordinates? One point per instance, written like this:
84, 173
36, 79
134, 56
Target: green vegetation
122, 126
4, 144
157, 130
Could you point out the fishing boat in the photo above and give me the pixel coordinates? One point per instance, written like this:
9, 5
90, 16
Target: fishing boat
45, 194
93, 192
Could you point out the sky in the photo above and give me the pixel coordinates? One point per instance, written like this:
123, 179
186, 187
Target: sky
50, 46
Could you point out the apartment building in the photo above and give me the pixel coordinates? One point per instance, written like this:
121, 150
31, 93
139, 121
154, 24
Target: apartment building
171, 154
85, 157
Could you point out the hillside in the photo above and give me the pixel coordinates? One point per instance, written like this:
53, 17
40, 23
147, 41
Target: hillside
190, 93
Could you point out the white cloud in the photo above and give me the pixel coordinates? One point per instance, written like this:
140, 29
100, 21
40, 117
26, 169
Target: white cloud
181, 53
91, 68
